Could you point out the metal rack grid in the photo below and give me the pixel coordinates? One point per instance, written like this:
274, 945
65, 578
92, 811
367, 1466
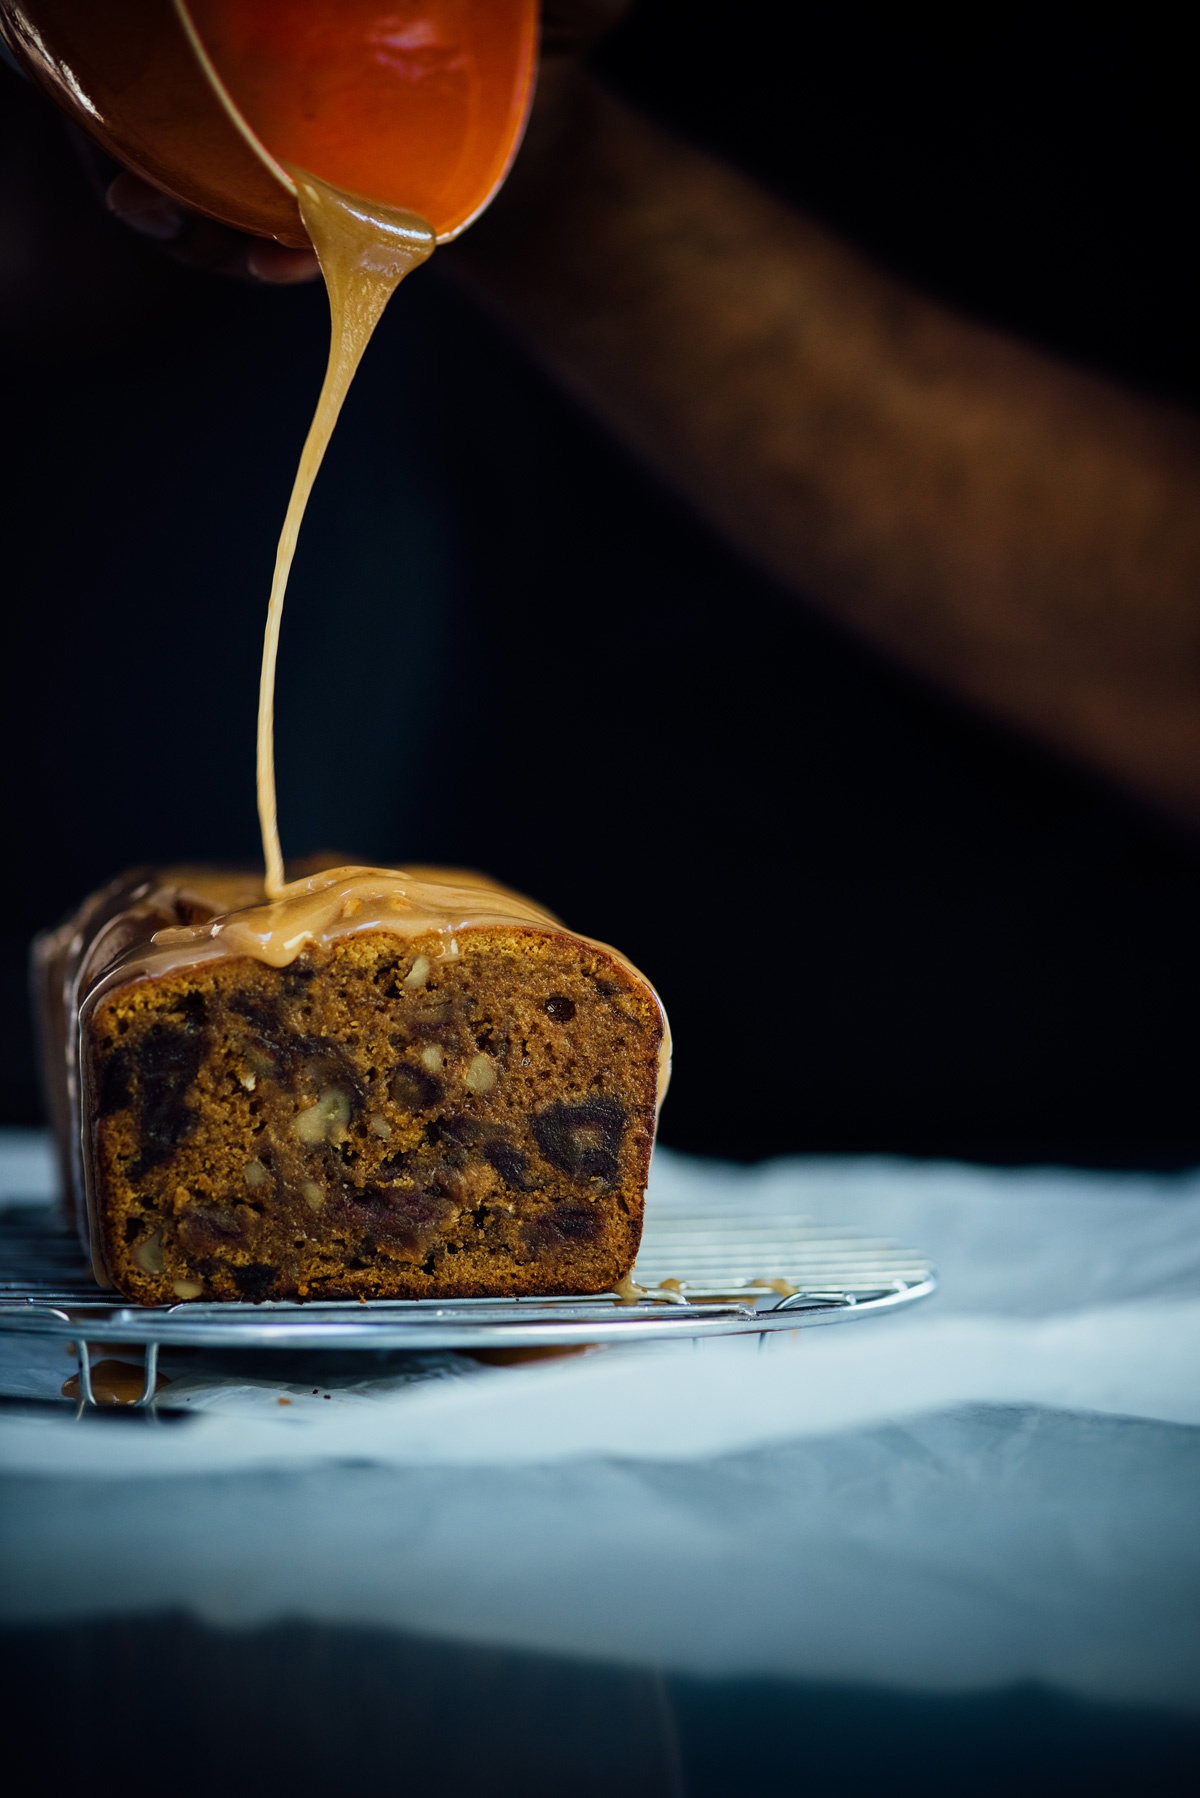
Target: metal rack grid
700, 1273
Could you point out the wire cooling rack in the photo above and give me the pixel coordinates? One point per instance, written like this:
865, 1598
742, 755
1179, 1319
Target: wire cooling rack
699, 1273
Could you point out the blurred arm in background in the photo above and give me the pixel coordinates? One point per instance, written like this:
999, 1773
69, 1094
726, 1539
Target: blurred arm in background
1020, 532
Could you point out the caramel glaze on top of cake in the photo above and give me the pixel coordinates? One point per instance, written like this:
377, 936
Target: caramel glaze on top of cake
379, 1084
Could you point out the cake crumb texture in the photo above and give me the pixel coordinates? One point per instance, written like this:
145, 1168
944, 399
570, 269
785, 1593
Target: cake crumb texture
376, 1120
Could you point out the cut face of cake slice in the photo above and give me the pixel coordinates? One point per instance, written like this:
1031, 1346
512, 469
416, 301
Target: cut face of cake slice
381, 1085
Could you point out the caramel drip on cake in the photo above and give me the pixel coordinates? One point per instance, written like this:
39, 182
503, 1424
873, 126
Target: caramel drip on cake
365, 251
339, 902
326, 907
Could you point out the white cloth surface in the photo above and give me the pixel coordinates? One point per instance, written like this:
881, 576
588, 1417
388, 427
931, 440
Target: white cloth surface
999, 1485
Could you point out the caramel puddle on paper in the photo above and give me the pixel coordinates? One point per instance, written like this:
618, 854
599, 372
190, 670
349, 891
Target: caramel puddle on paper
113, 1383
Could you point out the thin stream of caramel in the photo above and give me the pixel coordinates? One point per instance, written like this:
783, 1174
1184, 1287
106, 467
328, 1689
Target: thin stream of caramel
365, 251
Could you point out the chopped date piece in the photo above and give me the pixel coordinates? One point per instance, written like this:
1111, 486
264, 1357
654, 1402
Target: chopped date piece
294, 980
406, 1218
256, 1280
207, 1229
414, 1088
508, 1161
153, 1074
563, 1227
192, 1007
296, 1058
583, 1140
307, 1062
266, 1015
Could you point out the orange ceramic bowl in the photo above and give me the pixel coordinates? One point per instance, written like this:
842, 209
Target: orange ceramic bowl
419, 105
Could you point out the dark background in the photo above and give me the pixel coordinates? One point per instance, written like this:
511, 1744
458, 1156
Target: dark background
878, 923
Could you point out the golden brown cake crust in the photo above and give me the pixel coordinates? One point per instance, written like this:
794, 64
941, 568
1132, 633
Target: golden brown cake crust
379, 1118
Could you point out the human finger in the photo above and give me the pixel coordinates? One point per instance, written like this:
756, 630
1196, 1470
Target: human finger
199, 243
145, 209
275, 263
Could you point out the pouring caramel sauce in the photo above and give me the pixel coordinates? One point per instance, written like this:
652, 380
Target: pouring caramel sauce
423, 106
365, 251
364, 247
